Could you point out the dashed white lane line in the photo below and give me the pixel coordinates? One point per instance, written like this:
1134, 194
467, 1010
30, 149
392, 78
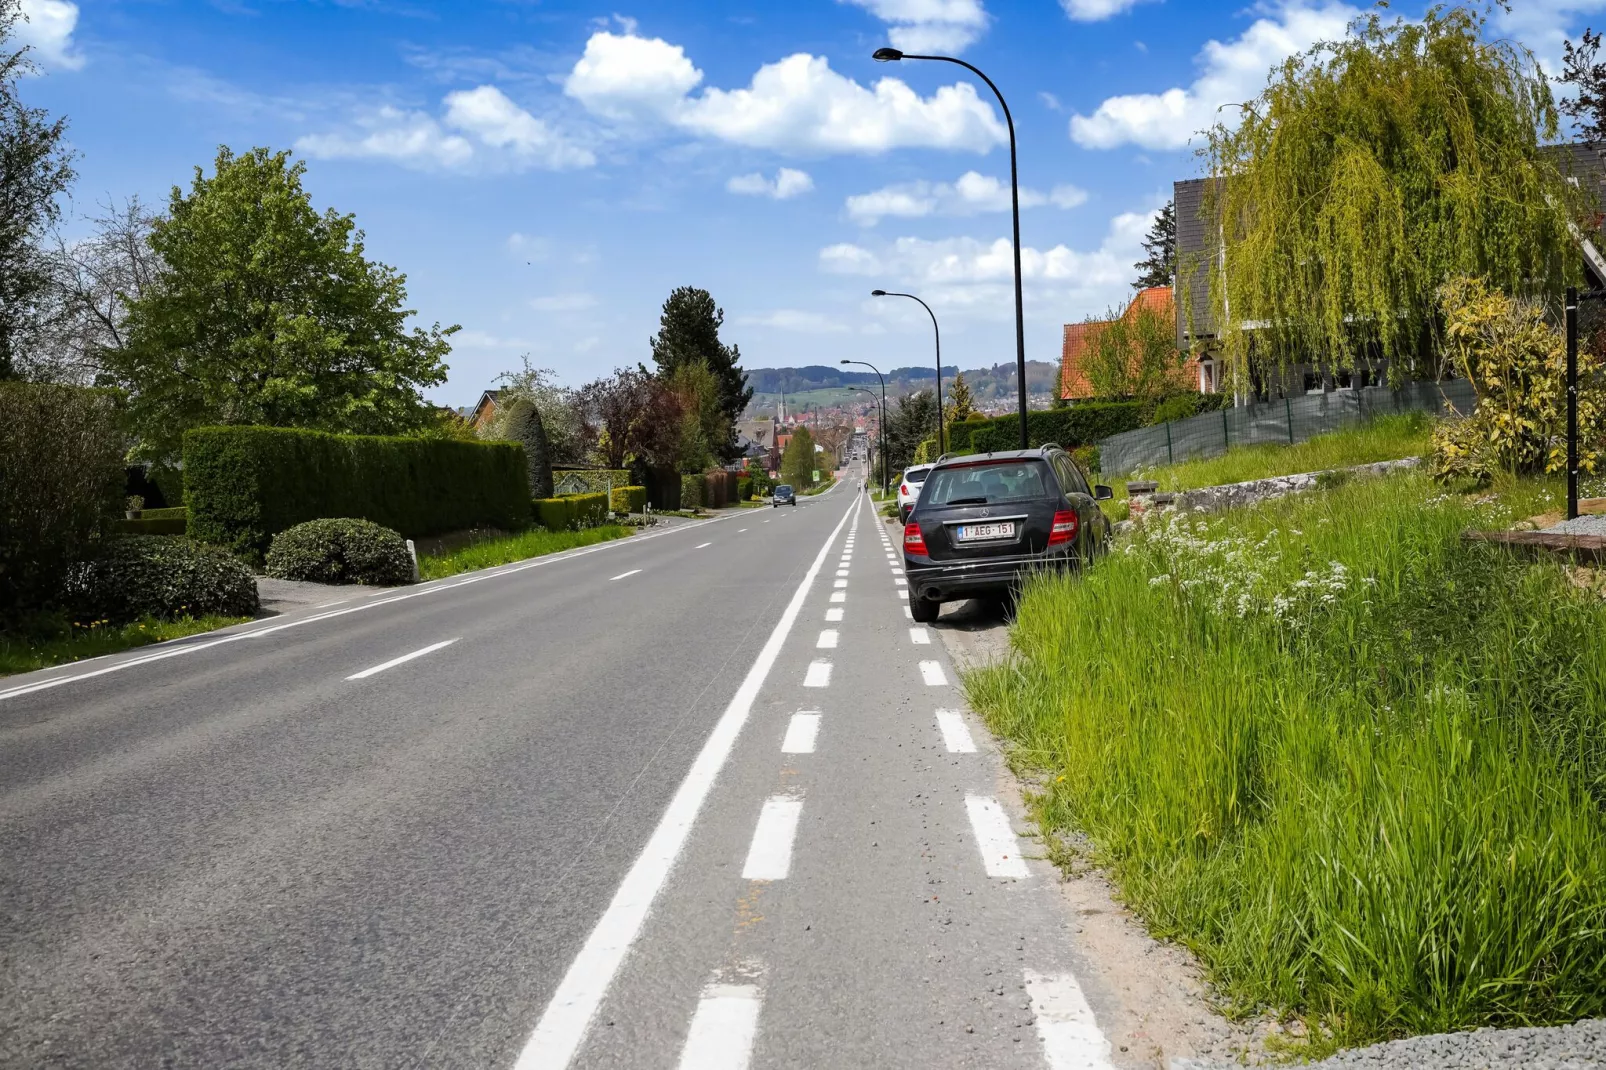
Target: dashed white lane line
833, 615
839, 596
722, 1030
567, 1018
700, 545
622, 575
769, 858
1000, 851
393, 662
819, 674
839, 583
955, 732
827, 640
740, 530
900, 581
919, 636
841, 572
1071, 1038
801, 733
897, 572
931, 672
907, 612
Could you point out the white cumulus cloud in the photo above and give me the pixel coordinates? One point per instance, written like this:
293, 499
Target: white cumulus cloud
1228, 73
1096, 10
797, 104
972, 193
796, 320
479, 127
787, 182
48, 29
929, 25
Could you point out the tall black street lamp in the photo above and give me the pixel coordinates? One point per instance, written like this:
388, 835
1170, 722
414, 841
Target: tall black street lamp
938, 333
888, 55
877, 371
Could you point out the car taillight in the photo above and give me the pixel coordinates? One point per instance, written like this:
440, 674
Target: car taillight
913, 541
1064, 529
904, 489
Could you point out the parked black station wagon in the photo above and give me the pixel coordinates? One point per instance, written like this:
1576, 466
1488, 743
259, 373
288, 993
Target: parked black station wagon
983, 522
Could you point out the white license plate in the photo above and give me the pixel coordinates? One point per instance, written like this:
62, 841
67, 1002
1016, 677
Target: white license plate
979, 532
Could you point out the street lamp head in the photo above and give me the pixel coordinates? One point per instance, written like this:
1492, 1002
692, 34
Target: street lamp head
845, 360
878, 293
887, 55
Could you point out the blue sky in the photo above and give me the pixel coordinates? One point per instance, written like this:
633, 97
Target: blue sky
545, 171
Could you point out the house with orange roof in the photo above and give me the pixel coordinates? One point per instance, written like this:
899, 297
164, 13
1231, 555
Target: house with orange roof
1079, 339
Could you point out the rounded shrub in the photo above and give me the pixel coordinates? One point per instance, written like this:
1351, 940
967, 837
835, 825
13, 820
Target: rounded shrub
340, 550
136, 576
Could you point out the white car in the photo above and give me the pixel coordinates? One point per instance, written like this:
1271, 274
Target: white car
909, 489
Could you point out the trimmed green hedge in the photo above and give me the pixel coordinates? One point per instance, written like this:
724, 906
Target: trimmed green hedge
744, 488
629, 500
691, 492
174, 512
1078, 425
151, 525
341, 550
571, 511
597, 480
243, 485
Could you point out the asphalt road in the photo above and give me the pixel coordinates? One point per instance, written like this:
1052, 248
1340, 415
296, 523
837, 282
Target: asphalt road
681, 800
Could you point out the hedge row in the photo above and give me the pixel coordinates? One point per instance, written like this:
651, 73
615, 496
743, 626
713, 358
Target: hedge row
629, 500
571, 511
691, 492
744, 489
243, 485
597, 480
1077, 425
151, 525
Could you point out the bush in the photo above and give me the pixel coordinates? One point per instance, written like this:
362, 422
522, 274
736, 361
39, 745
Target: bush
243, 485
61, 476
1078, 425
629, 499
597, 480
589, 509
691, 491
744, 488
1087, 458
523, 425
341, 550
150, 525
136, 576
554, 514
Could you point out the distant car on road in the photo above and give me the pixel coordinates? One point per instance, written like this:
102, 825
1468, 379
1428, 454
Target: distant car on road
983, 523
909, 488
783, 495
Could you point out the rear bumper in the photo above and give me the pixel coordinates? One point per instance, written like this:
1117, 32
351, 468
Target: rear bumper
952, 581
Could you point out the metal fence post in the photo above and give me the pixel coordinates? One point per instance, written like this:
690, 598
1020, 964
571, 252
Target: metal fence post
1572, 403
1226, 433
1288, 410
1170, 458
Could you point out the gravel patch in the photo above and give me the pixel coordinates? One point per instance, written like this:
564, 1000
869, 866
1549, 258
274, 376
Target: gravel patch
1584, 525
1581, 1046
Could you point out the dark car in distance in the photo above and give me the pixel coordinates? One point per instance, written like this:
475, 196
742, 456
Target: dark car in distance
782, 493
984, 522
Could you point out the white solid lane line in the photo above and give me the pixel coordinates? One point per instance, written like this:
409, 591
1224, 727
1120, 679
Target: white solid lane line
700, 545
833, 615
326, 605
931, 672
622, 575
1000, 851
393, 662
801, 733
919, 636
567, 1017
819, 674
827, 640
722, 1030
1071, 1038
955, 732
769, 858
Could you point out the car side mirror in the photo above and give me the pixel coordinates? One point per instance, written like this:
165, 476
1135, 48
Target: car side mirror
1101, 493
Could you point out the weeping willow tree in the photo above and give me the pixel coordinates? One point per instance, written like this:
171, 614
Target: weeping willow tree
1368, 172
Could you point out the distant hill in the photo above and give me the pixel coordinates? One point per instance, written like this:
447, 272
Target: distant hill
814, 383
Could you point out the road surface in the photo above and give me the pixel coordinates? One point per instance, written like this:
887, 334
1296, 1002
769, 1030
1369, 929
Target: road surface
702, 798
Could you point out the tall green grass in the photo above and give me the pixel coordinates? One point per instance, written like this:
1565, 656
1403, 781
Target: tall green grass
509, 548
1385, 438
1355, 763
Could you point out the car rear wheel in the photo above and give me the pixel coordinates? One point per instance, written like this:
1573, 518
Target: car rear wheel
923, 610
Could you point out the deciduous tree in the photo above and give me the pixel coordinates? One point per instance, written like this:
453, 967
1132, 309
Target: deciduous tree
264, 311
797, 462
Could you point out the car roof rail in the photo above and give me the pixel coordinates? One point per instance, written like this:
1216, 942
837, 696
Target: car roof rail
1052, 446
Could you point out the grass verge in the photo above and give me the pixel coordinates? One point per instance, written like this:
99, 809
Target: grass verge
21, 653
509, 548
1356, 764
1386, 438
824, 486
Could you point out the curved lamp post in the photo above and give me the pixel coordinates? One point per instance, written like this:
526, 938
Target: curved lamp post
890, 55
883, 429
935, 330
867, 390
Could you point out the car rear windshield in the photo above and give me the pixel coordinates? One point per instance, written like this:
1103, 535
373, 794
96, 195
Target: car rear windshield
988, 483
916, 477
